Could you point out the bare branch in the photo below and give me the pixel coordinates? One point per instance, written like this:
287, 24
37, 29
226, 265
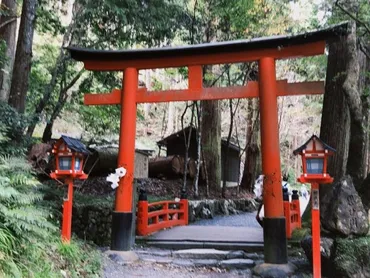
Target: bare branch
74, 80
355, 18
364, 49
2, 25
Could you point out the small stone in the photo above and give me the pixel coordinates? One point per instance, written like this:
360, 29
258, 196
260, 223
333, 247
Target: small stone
162, 260
236, 255
274, 270
149, 259
64, 273
237, 263
200, 254
183, 263
253, 256
122, 257
205, 263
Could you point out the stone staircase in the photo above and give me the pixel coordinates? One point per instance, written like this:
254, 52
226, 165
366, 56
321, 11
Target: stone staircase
201, 258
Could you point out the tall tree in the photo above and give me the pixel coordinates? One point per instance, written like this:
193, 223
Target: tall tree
99, 24
251, 148
346, 100
8, 30
23, 57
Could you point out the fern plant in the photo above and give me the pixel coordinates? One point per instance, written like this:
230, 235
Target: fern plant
22, 222
19, 190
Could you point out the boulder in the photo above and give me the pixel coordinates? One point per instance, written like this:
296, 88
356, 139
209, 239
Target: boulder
327, 251
351, 258
342, 257
342, 211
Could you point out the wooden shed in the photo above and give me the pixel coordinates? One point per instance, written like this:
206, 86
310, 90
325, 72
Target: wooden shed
103, 160
175, 145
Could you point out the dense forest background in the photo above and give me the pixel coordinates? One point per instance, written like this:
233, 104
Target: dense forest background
42, 88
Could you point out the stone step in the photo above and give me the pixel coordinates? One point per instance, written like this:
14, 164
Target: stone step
208, 258
177, 244
207, 263
201, 254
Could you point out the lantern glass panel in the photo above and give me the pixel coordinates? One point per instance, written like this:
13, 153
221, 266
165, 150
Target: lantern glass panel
65, 162
77, 163
315, 165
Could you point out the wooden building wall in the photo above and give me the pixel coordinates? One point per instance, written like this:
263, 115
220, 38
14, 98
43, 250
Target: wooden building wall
176, 146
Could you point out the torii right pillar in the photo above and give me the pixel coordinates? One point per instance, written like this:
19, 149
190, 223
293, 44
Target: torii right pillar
275, 243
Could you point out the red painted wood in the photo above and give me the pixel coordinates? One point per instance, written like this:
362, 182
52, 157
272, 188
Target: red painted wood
196, 92
126, 153
67, 213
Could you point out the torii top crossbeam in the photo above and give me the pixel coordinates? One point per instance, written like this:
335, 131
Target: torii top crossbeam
278, 47
267, 88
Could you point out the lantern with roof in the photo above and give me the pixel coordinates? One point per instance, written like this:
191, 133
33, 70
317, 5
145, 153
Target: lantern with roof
315, 154
69, 161
70, 156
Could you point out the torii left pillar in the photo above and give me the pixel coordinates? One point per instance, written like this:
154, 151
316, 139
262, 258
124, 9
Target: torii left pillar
122, 219
274, 236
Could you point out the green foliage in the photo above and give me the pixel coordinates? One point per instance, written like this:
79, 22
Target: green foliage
120, 24
80, 259
48, 17
12, 126
3, 58
30, 245
351, 255
18, 193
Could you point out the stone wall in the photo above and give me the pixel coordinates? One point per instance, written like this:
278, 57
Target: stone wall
93, 222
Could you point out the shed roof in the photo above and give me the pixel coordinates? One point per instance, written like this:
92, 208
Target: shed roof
75, 145
179, 55
304, 146
180, 134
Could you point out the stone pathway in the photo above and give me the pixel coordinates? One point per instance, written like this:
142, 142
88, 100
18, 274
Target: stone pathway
201, 254
162, 263
247, 219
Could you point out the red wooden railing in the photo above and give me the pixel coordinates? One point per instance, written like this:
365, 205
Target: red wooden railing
292, 213
152, 217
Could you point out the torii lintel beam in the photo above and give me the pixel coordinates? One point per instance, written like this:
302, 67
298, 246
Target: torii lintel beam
251, 90
277, 47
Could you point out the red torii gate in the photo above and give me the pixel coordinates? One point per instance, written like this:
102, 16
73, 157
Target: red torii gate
263, 50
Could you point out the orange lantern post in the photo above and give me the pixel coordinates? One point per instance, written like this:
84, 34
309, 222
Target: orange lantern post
69, 160
315, 155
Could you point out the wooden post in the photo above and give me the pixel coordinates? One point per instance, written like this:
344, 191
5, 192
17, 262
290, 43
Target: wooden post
274, 221
316, 252
122, 216
67, 213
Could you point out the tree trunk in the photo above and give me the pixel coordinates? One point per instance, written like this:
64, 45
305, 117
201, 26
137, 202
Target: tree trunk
170, 118
345, 116
335, 121
23, 57
211, 141
252, 150
8, 34
170, 166
58, 69
62, 99
199, 146
355, 85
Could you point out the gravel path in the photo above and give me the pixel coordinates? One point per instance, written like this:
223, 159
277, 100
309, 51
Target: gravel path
239, 220
150, 270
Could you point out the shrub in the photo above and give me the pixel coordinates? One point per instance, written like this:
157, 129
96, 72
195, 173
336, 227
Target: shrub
12, 127
30, 244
